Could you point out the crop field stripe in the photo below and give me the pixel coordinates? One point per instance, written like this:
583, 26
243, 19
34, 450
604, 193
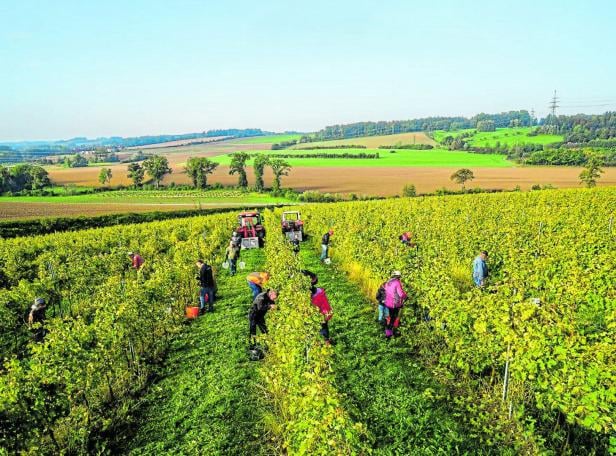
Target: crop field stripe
208, 399
385, 388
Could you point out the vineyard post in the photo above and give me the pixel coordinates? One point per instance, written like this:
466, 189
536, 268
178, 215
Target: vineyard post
611, 223
506, 379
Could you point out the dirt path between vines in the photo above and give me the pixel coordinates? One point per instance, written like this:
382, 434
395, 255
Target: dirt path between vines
207, 399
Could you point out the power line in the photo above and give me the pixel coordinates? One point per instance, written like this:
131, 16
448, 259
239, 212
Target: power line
554, 104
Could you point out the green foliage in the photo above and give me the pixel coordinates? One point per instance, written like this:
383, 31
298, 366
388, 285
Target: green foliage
238, 166
409, 190
258, 166
157, 167
104, 177
280, 168
107, 326
309, 414
136, 173
76, 161
24, 176
486, 125
462, 175
590, 174
198, 168
542, 245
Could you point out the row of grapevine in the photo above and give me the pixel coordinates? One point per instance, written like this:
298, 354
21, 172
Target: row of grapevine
548, 314
309, 418
107, 325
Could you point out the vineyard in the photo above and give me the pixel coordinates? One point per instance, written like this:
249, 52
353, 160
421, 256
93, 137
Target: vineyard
548, 316
526, 365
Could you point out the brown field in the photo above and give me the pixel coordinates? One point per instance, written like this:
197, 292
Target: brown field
181, 142
373, 142
369, 181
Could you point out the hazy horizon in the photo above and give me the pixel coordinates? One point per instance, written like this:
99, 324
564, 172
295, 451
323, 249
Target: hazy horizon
150, 68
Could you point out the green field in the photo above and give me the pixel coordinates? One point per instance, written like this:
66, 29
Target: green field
231, 197
267, 139
401, 158
506, 136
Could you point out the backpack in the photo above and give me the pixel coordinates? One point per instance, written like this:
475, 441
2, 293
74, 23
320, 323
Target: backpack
380, 295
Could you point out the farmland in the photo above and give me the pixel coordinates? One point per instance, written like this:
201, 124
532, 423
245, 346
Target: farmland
396, 159
547, 313
128, 201
504, 136
373, 142
269, 139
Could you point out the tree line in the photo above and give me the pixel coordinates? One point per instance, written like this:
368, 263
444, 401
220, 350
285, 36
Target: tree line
22, 177
520, 118
409, 146
199, 168
581, 128
325, 155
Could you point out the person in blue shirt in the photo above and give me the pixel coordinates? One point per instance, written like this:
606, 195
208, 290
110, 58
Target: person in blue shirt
480, 269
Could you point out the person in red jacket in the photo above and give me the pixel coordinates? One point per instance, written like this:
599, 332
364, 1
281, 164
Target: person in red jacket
319, 300
394, 300
136, 260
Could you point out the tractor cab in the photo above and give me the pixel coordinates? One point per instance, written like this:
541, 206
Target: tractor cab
292, 225
250, 228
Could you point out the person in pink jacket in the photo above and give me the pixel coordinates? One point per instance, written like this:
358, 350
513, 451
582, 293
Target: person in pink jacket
394, 300
319, 300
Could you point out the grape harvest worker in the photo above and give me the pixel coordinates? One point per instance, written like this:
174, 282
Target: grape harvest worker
206, 286
232, 254
256, 280
407, 239
325, 244
136, 260
236, 239
480, 269
314, 279
295, 244
319, 300
394, 300
256, 316
380, 299
37, 315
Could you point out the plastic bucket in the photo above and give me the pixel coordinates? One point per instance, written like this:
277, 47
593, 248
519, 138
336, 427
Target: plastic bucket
192, 312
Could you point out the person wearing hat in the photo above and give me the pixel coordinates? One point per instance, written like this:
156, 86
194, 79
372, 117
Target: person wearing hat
480, 269
325, 244
394, 300
256, 280
37, 315
136, 260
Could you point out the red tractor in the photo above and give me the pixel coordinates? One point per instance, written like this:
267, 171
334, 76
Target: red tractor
292, 225
251, 229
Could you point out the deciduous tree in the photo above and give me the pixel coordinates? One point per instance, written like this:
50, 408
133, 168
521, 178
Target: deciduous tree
157, 167
198, 168
461, 176
238, 166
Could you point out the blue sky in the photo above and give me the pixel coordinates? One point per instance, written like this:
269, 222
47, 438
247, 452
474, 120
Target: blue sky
98, 68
